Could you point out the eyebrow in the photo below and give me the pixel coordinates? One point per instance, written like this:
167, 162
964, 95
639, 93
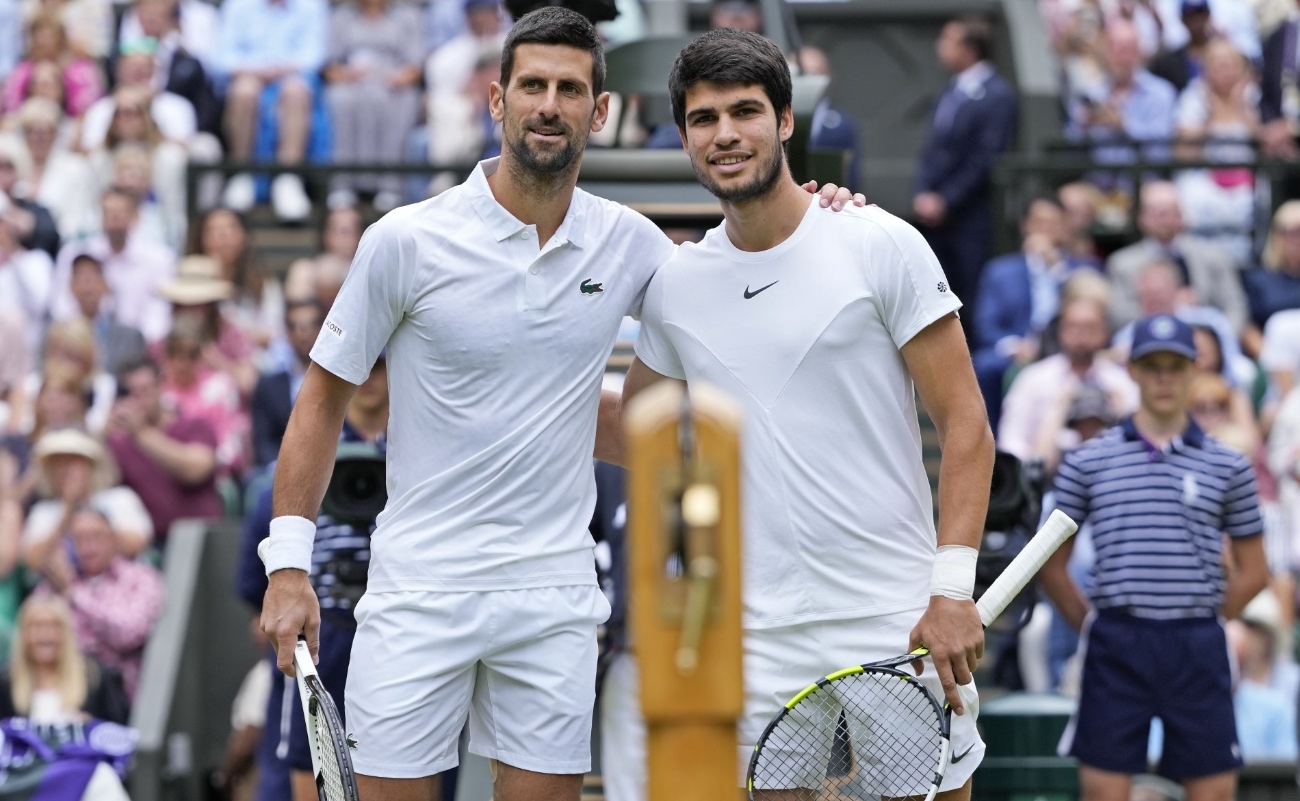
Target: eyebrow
736, 106
580, 83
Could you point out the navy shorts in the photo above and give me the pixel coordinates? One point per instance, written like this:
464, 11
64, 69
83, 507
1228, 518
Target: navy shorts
1135, 670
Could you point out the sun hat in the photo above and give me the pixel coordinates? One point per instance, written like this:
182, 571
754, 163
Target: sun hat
198, 280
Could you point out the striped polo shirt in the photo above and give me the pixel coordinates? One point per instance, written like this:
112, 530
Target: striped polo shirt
1158, 517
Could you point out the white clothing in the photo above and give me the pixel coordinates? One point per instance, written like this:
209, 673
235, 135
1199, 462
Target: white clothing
519, 664
1281, 351
200, 21
1036, 393
63, 191
1235, 19
450, 66
103, 392
25, 285
47, 707
495, 354
838, 512
1284, 463
622, 732
133, 277
173, 114
249, 707
123, 508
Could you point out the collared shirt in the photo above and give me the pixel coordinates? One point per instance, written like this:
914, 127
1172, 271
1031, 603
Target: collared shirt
496, 348
969, 82
1045, 290
266, 33
1158, 517
1037, 391
1147, 114
133, 277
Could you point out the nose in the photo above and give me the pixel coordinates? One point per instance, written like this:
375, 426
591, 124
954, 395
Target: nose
551, 102
726, 132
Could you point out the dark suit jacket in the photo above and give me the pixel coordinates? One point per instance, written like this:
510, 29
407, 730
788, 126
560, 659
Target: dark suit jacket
1277, 47
1004, 306
188, 79
271, 407
958, 159
45, 234
1174, 66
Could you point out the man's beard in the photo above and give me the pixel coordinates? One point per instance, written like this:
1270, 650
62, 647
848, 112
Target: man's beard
545, 162
769, 174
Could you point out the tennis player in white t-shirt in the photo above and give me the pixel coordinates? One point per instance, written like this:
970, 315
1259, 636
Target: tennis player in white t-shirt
498, 303
824, 327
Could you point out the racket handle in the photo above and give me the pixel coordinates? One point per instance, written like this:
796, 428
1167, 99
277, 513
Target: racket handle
1058, 528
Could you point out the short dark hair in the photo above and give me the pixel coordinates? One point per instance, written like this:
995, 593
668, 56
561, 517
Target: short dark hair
555, 25
977, 34
138, 363
729, 56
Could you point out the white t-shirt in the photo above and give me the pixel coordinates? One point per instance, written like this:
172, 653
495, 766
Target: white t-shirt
172, 114
123, 508
836, 504
1281, 351
495, 352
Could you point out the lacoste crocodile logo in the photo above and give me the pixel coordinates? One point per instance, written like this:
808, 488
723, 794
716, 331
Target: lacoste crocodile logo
588, 288
749, 294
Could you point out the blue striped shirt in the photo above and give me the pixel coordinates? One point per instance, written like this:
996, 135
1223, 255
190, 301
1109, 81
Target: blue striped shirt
1158, 518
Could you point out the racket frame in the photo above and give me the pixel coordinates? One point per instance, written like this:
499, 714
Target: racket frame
317, 703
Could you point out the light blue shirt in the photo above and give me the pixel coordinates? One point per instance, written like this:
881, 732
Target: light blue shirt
11, 35
1147, 115
263, 33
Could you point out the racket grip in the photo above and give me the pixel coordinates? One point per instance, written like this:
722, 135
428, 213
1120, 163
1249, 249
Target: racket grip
1058, 528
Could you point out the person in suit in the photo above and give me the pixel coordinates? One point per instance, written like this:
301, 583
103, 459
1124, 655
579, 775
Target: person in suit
1207, 271
274, 394
119, 345
973, 124
182, 74
1019, 297
1279, 88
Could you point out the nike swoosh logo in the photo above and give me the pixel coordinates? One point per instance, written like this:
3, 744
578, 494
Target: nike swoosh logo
961, 756
749, 294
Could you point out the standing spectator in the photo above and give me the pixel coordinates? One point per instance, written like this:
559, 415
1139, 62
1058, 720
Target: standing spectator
197, 294
1274, 286
1052, 383
1160, 495
272, 50
376, 53
169, 460
49, 679
133, 267
1181, 65
1208, 271
117, 344
275, 392
56, 179
33, 222
256, 305
24, 282
973, 124
80, 76
197, 391
1018, 298
115, 601
177, 64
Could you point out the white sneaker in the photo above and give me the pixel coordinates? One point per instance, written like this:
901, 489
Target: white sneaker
387, 201
341, 199
241, 192
289, 199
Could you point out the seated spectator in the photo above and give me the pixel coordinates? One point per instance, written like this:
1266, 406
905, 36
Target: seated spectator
1211, 401
24, 282
1218, 120
61, 402
1264, 699
13, 372
133, 267
74, 470
1181, 65
461, 128
183, 34
57, 179
197, 294
48, 41
50, 680
1284, 458
1279, 356
169, 460
173, 116
1018, 298
275, 392
280, 47
197, 391
1080, 201
1211, 359
1077, 417
376, 55
116, 344
31, 221
1128, 104
1274, 286
70, 349
1052, 384
115, 601
11, 35
1207, 271
340, 235
11, 532
256, 306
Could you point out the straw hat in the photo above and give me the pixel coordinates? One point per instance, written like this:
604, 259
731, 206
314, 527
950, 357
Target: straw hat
73, 442
198, 280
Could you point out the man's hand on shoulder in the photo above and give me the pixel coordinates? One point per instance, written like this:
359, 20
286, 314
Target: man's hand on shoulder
290, 608
835, 197
951, 629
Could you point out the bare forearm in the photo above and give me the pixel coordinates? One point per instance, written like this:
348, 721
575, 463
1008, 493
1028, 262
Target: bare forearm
306, 458
1063, 592
609, 428
965, 477
191, 463
1248, 579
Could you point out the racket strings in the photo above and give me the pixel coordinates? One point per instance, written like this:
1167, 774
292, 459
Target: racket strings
863, 736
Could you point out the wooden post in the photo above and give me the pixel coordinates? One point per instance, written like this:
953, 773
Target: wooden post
684, 557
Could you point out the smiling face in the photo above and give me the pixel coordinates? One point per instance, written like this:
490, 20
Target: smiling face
548, 109
734, 137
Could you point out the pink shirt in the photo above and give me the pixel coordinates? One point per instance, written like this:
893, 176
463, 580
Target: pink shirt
214, 397
1036, 393
82, 86
133, 277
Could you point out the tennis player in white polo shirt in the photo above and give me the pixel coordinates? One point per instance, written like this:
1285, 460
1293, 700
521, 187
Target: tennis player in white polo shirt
498, 303
824, 327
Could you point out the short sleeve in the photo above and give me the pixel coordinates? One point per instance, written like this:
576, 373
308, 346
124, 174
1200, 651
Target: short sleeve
1241, 516
653, 249
909, 285
654, 347
369, 306
1072, 489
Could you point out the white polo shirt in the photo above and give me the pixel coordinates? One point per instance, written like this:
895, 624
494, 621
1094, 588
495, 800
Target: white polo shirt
837, 512
495, 353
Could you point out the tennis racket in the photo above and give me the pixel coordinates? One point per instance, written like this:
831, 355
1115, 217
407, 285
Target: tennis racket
331, 760
874, 731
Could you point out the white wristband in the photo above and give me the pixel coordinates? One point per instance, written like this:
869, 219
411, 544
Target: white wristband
954, 572
290, 544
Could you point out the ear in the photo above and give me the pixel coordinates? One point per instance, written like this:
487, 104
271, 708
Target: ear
682, 133
497, 101
785, 125
601, 114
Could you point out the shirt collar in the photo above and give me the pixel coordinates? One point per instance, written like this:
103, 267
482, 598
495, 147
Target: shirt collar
970, 81
503, 224
1192, 435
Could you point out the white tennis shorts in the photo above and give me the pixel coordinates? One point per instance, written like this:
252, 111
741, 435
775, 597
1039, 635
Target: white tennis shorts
520, 665
781, 662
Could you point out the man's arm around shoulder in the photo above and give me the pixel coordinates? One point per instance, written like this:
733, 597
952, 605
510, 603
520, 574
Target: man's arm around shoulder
301, 476
610, 445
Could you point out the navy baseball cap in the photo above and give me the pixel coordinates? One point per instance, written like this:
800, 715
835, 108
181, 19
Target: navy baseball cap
1195, 7
1162, 333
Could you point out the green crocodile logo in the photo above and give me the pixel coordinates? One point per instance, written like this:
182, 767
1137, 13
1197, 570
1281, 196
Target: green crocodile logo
588, 288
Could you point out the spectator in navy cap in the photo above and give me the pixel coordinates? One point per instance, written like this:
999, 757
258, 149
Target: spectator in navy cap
1180, 66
